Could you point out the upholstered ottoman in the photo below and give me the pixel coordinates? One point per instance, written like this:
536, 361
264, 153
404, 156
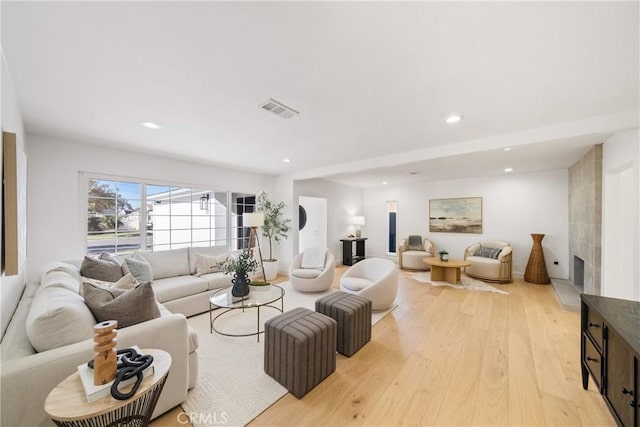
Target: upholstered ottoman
353, 315
300, 349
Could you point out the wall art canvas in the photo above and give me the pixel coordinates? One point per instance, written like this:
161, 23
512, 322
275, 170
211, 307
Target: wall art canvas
14, 204
461, 215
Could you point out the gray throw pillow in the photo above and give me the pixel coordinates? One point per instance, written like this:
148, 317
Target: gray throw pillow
127, 307
139, 268
104, 267
414, 243
489, 252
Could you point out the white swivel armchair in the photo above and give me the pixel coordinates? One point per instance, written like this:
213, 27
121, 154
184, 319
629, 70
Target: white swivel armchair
312, 270
375, 279
412, 251
490, 260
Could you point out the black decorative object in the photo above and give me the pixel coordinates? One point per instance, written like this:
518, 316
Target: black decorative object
240, 284
302, 214
130, 364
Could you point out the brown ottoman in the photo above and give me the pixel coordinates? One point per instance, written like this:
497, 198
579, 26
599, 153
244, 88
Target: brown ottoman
353, 314
300, 349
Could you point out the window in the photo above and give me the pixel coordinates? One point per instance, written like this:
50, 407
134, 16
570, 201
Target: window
181, 217
392, 211
241, 203
126, 217
113, 216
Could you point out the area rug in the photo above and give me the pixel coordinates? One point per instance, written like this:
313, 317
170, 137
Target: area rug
466, 282
232, 387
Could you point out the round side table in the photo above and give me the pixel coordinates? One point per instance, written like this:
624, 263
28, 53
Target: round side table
67, 403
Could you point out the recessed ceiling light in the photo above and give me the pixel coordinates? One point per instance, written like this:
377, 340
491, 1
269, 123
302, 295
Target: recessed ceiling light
151, 125
286, 160
454, 118
384, 182
507, 149
414, 173
508, 169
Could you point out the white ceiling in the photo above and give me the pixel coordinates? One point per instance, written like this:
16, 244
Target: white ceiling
373, 82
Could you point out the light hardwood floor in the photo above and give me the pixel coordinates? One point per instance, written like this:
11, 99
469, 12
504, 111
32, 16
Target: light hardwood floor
453, 357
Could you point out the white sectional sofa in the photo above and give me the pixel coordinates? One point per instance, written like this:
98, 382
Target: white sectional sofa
28, 376
175, 283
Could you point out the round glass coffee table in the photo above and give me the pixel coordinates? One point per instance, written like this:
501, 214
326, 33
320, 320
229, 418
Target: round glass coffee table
257, 298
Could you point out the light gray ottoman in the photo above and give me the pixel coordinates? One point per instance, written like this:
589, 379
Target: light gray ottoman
353, 314
300, 349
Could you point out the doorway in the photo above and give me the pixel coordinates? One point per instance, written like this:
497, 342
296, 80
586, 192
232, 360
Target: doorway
312, 222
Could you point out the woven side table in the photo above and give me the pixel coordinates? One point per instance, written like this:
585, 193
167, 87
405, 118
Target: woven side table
536, 271
67, 404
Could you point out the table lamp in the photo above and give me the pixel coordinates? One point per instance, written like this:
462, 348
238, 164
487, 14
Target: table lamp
358, 221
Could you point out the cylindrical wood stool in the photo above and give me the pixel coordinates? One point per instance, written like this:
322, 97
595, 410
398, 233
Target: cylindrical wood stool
536, 271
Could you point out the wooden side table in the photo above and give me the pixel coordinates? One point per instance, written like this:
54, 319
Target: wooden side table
448, 271
67, 403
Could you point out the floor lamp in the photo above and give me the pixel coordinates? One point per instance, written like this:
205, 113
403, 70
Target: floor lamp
253, 221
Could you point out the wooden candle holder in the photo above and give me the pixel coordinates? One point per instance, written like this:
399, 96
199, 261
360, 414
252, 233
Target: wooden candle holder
105, 360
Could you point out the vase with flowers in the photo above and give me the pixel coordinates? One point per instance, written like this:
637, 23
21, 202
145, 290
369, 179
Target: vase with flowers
240, 266
444, 255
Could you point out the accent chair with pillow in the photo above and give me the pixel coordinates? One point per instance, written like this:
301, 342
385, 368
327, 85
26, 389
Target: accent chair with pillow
412, 250
312, 270
375, 279
490, 261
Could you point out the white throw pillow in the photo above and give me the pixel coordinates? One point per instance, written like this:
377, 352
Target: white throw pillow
209, 264
355, 283
314, 258
306, 273
58, 317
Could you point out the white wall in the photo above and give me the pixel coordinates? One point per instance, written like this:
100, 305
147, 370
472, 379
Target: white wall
621, 216
287, 248
56, 226
314, 234
513, 205
343, 201
12, 286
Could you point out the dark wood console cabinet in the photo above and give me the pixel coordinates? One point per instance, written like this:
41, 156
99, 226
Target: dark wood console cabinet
610, 352
349, 257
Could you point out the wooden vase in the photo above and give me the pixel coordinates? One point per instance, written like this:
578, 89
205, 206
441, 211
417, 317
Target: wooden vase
105, 360
536, 271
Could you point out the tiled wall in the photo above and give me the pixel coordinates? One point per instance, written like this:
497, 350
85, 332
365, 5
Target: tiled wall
585, 217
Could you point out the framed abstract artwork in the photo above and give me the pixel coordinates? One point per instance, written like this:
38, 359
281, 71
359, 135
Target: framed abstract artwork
460, 215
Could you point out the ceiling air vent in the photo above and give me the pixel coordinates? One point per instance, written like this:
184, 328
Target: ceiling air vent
278, 109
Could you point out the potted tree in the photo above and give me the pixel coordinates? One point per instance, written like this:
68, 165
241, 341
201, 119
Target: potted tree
275, 228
